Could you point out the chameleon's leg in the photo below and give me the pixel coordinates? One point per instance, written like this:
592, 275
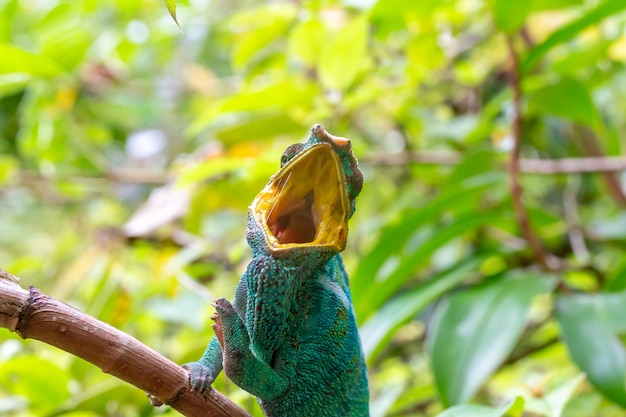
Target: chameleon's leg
271, 286
203, 372
240, 365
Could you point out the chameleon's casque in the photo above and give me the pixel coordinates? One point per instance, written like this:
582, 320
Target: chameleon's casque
290, 336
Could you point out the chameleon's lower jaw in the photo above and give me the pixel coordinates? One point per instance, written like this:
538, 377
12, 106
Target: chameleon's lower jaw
305, 204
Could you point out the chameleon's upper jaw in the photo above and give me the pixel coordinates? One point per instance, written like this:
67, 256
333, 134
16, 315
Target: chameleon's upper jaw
305, 204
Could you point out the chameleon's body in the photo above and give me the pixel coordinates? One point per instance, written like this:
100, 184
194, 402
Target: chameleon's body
290, 337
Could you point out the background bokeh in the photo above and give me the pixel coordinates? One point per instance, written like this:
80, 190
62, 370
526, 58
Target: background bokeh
130, 150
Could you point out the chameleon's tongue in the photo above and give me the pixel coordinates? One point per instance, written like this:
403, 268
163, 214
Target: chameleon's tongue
305, 204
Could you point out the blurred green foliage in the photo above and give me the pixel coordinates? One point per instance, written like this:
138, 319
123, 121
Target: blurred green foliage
129, 151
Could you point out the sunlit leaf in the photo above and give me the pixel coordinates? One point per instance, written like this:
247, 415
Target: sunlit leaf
260, 127
171, 8
283, 95
509, 15
539, 5
12, 83
344, 56
66, 43
590, 326
567, 32
306, 41
391, 15
8, 168
255, 29
17, 60
473, 331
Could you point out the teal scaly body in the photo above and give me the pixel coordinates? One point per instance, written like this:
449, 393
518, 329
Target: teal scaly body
290, 336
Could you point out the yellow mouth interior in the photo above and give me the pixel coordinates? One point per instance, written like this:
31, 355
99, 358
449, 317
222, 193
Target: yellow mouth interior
305, 203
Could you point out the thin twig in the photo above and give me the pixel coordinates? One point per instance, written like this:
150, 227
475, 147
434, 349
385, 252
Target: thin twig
517, 356
514, 168
526, 166
573, 165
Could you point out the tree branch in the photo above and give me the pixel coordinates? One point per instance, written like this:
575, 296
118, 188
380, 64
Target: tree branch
526, 166
514, 166
33, 314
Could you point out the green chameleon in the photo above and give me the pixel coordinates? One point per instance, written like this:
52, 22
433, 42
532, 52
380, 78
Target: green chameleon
290, 337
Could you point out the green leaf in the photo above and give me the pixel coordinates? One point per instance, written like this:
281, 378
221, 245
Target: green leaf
590, 326
171, 8
12, 83
513, 408
509, 15
473, 331
306, 41
395, 235
388, 16
257, 29
285, 95
17, 60
567, 32
344, 56
400, 267
40, 380
541, 5
380, 327
9, 167
567, 98
258, 127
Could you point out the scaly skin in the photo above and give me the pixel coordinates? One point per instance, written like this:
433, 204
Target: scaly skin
290, 337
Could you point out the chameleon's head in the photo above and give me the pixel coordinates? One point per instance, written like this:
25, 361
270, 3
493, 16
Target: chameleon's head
308, 202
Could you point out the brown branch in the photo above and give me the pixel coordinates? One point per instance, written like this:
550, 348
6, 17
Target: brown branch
573, 165
122, 175
32, 314
526, 166
514, 167
422, 157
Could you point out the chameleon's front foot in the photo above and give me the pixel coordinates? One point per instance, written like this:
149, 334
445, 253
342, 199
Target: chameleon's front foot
200, 377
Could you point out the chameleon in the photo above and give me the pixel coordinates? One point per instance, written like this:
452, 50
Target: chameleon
290, 336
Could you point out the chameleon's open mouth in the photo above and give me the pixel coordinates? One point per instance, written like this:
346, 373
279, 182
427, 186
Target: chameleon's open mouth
305, 203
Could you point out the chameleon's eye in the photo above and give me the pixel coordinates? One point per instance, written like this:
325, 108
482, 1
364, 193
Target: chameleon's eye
290, 152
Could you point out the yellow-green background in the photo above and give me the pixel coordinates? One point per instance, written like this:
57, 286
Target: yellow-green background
104, 102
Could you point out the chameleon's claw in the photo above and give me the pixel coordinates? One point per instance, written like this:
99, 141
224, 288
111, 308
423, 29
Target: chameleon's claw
217, 328
223, 307
200, 377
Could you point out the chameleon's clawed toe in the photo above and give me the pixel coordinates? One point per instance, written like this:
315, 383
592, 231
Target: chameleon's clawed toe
200, 378
222, 308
